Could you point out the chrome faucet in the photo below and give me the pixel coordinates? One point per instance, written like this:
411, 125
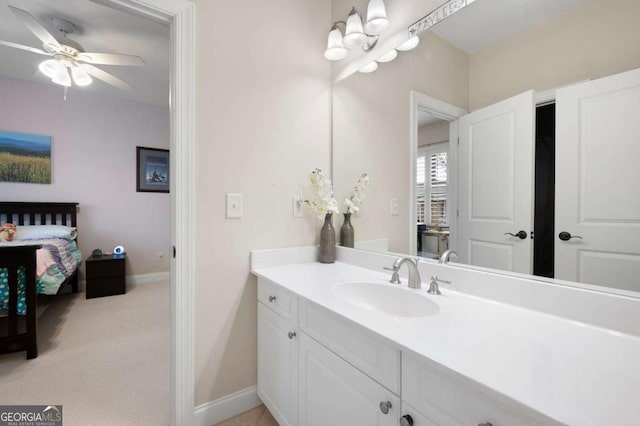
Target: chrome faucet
433, 285
446, 255
414, 275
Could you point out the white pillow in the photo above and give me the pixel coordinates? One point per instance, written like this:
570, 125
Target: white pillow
41, 232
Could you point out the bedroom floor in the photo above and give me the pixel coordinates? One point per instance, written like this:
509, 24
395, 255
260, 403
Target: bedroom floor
106, 360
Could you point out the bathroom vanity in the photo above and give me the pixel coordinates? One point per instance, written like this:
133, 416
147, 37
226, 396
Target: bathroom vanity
338, 344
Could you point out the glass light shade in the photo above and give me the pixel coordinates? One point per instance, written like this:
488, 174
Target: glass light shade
354, 36
389, 56
370, 67
49, 67
80, 76
377, 20
335, 50
411, 43
62, 77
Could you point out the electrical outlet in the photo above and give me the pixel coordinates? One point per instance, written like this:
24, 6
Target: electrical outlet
297, 205
394, 207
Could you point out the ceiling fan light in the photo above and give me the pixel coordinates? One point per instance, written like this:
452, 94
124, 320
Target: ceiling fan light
80, 76
411, 43
49, 67
335, 49
377, 20
354, 35
62, 77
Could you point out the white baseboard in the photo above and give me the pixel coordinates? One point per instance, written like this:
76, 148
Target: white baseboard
217, 411
148, 278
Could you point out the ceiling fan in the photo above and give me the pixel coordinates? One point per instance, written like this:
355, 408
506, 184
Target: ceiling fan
70, 61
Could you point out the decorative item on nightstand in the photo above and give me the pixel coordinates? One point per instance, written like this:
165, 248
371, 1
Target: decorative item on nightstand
324, 205
352, 204
118, 251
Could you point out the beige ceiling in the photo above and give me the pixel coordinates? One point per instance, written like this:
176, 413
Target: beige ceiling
99, 29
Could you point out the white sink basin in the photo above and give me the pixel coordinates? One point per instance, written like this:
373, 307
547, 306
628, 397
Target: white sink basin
385, 298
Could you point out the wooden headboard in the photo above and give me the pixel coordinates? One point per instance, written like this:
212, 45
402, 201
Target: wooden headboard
29, 213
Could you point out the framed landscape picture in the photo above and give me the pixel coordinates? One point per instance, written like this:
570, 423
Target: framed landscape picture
153, 169
25, 158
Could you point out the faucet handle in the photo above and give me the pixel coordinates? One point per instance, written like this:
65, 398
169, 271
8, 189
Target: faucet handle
433, 285
395, 278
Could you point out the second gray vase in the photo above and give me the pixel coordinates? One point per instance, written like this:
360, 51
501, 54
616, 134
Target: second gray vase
328, 240
346, 232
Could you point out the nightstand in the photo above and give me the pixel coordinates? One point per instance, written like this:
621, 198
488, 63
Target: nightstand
105, 276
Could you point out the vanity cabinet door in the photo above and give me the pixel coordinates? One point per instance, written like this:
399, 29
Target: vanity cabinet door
278, 366
333, 392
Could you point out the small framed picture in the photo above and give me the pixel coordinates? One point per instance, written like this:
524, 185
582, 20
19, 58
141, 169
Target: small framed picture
153, 169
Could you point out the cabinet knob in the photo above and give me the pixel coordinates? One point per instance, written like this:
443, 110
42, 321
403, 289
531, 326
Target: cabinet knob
385, 406
292, 334
485, 424
272, 298
406, 420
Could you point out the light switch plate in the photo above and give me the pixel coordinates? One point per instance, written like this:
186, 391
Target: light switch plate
297, 204
394, 207
234, 206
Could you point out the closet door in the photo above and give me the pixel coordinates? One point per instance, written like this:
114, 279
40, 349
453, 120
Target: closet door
495, 188
597, 178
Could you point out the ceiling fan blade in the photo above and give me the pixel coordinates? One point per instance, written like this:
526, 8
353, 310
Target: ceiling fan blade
106, 77
23, 47
36, 27
110, 59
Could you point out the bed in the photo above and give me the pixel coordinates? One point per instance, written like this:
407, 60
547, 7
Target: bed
33, 266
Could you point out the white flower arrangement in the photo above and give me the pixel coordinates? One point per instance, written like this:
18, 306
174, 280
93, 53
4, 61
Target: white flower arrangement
323, 201
354, 201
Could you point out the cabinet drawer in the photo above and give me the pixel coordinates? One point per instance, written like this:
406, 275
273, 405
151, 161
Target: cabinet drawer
363, 349
100, 287
282, 301
105, 269
445, 399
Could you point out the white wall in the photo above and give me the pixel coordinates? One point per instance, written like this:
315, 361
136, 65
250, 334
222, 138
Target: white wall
595, 40
93, 162
433, 133
371, 125
263, 123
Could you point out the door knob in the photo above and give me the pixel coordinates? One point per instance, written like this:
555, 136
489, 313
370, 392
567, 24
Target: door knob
565, 236
385, 406
406, 420
521, 234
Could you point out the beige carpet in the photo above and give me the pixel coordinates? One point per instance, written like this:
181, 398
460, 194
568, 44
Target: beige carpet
259, 416
106, 360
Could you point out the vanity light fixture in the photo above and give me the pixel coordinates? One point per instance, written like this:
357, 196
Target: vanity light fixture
389, 56
370, 67
356, 34
411, 43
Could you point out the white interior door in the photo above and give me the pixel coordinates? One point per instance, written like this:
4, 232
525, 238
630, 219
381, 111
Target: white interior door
495, 187
597, 162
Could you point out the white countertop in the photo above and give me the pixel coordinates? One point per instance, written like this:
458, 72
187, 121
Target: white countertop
572, 372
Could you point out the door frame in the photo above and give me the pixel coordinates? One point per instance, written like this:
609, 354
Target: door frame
180, 16
444, 111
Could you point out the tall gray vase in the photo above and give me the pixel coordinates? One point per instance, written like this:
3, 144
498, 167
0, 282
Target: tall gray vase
346, 232
328, 240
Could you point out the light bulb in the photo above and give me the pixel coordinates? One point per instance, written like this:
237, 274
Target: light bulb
377, 20
370, 67
335, 49
354, 36
411, 43
62, 77
389, 56
80, 76
49, 67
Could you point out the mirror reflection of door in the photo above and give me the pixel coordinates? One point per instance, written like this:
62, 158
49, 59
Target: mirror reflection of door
432, 194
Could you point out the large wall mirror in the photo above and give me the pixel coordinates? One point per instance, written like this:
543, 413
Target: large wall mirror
511, 135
